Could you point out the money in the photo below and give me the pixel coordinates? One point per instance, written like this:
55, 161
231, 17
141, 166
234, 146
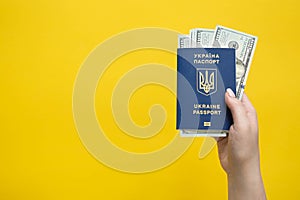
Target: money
201, 38
244, 44
223, 37
183, 41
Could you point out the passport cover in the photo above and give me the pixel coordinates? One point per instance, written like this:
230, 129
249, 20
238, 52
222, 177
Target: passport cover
203, 75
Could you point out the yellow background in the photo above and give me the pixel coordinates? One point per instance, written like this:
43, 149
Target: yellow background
43, 44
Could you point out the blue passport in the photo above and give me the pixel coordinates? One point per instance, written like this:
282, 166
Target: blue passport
203, 75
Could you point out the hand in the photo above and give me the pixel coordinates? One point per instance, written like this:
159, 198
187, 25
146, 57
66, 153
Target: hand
239, 151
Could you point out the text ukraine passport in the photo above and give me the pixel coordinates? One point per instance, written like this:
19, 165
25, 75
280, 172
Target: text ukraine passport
203, 74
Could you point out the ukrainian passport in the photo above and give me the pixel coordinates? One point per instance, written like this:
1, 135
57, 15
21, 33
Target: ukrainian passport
203, 75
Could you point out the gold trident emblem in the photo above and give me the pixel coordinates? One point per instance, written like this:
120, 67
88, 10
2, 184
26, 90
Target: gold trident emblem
205, 84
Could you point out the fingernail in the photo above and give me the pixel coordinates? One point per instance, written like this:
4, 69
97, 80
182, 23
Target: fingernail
230, 92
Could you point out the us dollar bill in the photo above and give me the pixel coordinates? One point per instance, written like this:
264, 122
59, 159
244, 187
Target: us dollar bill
183, 41
244, 44
201, 37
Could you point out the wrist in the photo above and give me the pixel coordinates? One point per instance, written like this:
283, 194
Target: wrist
245, 182
244, 169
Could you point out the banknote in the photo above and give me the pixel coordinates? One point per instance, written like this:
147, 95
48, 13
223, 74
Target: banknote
201, 37
183, 41
244, 44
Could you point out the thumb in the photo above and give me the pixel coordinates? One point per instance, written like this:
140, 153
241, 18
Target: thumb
236, 107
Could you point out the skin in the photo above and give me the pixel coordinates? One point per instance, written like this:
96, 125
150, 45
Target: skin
239, 151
